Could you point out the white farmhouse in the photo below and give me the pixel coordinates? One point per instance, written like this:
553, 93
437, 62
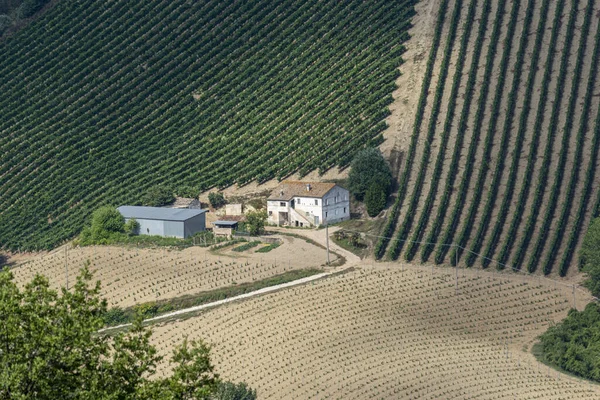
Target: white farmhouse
308, 204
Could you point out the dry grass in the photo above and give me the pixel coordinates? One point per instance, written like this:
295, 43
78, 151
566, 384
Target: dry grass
390, 332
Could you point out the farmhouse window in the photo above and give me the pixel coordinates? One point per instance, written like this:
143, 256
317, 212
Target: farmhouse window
282, 204
270, 212
316, 202
298, 201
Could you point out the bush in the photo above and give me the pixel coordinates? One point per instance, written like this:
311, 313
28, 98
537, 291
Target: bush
375, 199
158, 196
232, 391
255, 222
590, 256
5, 23
367, 168
216, 199
107, 220
132, 227
187, 191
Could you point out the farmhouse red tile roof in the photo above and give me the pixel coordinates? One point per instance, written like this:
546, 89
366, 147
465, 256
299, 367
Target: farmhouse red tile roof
289, 189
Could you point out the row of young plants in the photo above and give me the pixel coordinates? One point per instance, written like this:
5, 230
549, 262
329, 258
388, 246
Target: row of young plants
584, 201
431, 239
488, 143
537, 131
108, 128
545, 167
447, 238
522, 129
504, 142
390, 225
577, 160
435, 109
417, 235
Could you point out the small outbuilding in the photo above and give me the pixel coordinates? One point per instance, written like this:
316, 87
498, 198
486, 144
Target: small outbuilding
167, 222
224, 228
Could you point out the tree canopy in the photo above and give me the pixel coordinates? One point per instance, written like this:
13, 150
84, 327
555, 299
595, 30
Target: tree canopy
158, 196
255, 222
590, 256
368, 168
50, 347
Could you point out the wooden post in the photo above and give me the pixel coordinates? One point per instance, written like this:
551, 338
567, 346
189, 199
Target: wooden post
327, 239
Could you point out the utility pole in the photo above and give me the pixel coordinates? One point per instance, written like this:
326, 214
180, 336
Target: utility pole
67, 267
327, 239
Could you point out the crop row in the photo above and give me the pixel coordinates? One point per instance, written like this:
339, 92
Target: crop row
545, 167
436, 106
504, 142
470, 162
577, 160
390, 225
445, 135
428, 246
488, 143
512, 176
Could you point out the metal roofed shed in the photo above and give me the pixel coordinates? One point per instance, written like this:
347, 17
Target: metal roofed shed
166, 222
224, 228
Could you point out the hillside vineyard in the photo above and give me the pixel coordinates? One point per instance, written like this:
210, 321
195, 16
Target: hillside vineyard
503, 159
101, 100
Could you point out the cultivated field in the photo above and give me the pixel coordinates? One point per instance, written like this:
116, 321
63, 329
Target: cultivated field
103, 100
391, 331
130, 276
504, 149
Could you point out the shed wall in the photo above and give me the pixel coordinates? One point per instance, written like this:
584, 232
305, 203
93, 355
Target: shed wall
150, 227
195, 225
174, 229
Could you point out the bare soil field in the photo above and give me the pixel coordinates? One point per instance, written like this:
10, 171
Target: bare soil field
130, 276
390, 331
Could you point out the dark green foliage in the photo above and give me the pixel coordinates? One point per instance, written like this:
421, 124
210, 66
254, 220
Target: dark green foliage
5, 23
590, 256
574, 344
30, 7
187, 191
217, 200
368, 167
375, 199
51, 347
158, 196
268, 248
107, 223
122, 96
247, 246
255, 222
132, 227
232, 391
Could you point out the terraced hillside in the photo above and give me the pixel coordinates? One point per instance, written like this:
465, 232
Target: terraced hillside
502, 165
101, 100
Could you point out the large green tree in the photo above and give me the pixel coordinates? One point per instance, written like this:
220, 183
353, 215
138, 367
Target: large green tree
369, 168
50, 348
590, 256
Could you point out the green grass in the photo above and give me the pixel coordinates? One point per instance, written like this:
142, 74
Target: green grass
247, 246
103, 100
268, 248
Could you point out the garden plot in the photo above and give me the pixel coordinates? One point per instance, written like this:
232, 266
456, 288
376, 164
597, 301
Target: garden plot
130, 276
391, 331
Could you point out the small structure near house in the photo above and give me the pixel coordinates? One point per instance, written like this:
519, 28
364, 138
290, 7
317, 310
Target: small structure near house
224, 228
167, 222
308, 204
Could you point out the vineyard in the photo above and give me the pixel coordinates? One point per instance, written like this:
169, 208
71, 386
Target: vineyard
131, 276
102, 100
389, 332
501, 166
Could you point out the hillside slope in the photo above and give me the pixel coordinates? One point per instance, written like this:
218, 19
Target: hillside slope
502, 167
101, 100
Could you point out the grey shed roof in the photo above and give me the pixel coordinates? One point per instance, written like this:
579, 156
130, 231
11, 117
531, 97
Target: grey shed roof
159, 213
225, 223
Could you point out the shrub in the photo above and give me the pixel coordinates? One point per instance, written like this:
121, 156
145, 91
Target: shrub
132, 227
105, 221
30, 7
232, 391
158, 196
368, 167
375, 199
216, 199
187, 191
255, 222
590, 256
